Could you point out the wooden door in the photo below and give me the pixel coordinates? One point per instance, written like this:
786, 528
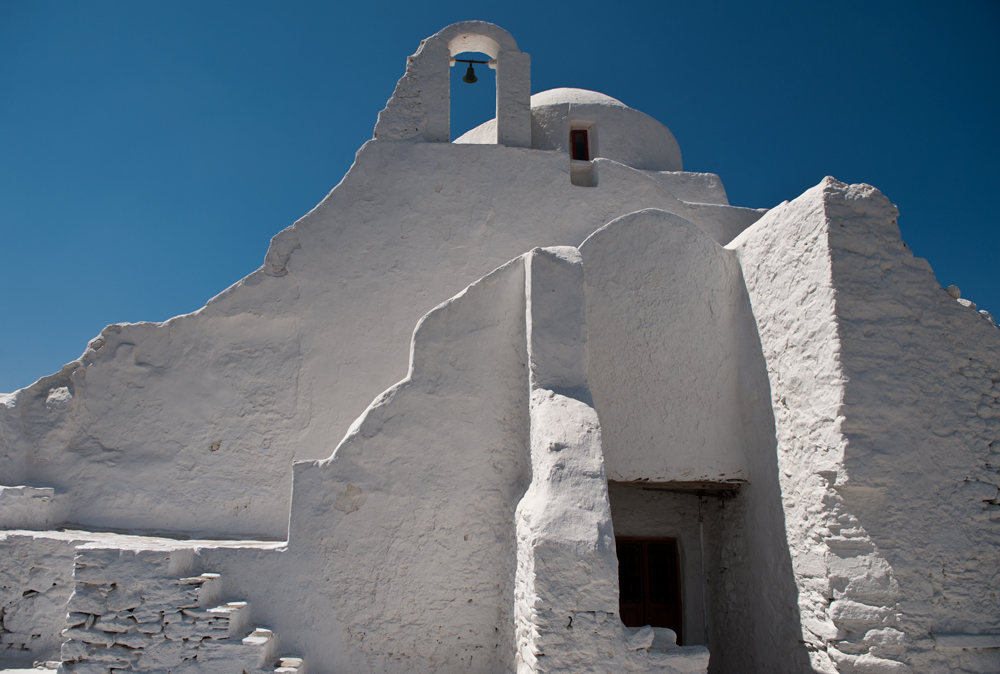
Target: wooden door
650, 582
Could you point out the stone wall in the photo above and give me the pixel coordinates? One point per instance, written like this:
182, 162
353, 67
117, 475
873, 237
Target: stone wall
884, 442
24, 507
130, 611
36, 581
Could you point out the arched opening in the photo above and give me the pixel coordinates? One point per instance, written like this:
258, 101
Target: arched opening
420, 107
472, 104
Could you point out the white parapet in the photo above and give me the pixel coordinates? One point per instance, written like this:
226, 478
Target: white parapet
23, 507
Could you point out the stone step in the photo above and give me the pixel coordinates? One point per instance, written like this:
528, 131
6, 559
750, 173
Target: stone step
289, 664
264, 644
253, 653
260, 636
162, 623
235, 615
208, 587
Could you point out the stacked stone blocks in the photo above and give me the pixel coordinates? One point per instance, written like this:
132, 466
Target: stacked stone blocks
33, 596
128, 614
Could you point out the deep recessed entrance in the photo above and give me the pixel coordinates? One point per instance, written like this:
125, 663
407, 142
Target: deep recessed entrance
650, 583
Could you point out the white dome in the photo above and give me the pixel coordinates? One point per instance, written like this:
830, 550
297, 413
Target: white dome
577, 96
616, 131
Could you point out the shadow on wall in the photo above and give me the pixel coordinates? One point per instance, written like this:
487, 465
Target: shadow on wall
754, 621
682, 389
681, 386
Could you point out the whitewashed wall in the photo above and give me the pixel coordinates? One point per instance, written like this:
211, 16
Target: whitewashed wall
884, 391
857, 400
193, 424
661, 303
411, 519
615, 131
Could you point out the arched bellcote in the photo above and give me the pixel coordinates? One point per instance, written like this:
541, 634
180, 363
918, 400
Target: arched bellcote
420, 107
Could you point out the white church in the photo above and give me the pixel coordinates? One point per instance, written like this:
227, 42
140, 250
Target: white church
534, 399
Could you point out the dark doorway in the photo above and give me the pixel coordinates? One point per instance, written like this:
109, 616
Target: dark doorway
650, 582
579, 145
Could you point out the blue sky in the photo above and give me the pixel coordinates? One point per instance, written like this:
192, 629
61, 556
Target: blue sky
148, 151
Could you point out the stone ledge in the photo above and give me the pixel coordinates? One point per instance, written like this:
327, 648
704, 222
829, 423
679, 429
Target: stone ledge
966, 640
22, 506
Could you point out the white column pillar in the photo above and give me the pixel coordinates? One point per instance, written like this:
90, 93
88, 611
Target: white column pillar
566, 584
514, 99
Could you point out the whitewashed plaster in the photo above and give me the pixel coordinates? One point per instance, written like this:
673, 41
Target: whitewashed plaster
885, 394
753, 597
616, 131
181, 416
661, 305
420, 107
565, 587
462, 521
418, 500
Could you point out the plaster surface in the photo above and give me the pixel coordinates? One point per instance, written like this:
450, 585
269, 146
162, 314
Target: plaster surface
294, 476
884, 441
661, 303
179, 416
616, 131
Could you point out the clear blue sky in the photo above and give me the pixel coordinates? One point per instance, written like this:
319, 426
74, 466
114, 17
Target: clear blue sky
149, 150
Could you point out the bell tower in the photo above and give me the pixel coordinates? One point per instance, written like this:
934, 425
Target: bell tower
420, 107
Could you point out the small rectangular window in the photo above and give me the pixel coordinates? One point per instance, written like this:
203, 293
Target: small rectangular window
579, 145
649, 581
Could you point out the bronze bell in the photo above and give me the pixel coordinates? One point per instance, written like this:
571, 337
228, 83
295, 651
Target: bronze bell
470, 76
